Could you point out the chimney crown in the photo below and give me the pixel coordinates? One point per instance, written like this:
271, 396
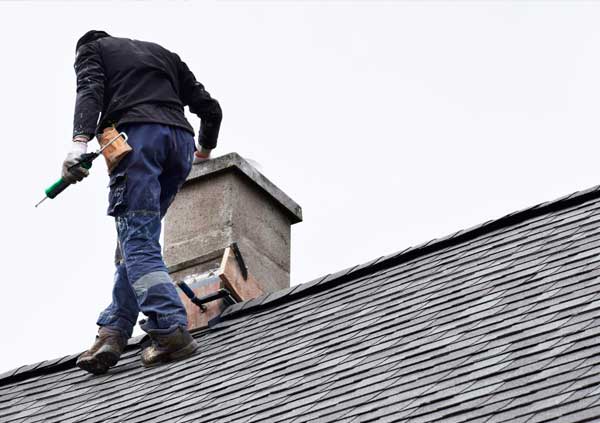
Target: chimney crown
227, 201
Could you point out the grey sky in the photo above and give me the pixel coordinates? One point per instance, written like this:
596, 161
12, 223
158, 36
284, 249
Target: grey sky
390, 123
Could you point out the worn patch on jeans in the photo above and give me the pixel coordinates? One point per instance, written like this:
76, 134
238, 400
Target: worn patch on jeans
143, 284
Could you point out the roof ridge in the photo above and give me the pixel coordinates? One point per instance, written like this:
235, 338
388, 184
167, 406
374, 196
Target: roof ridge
48, 366
330, 280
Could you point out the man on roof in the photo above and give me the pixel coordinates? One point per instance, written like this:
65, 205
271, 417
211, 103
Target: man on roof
140, 88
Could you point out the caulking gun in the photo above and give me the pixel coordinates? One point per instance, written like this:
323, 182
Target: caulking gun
85, 161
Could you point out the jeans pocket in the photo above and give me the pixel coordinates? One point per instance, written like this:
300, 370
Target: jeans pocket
116, 195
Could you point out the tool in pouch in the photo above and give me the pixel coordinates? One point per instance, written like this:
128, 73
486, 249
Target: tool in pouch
110, 137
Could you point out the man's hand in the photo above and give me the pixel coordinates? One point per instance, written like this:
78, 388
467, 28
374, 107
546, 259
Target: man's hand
77, 173
202, 154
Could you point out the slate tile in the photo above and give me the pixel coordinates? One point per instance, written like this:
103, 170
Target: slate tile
396, 254
277, 295
28, 368
172, 415
69, 358
368, 264
232, 309
586, 191
10, 372
303, 287
481, 413
254, 302
564, 412
334, 276
22, 413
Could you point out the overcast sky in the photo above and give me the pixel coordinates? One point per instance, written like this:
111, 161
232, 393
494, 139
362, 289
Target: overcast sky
390, 123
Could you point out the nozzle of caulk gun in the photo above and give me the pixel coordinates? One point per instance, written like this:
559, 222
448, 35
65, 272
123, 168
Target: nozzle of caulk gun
59, 186
85, 161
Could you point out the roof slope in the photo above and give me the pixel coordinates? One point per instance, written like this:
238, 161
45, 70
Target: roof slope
497, 323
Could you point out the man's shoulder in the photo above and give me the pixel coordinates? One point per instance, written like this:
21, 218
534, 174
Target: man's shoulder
121, 41
135, 47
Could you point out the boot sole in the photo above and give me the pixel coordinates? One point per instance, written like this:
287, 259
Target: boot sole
92, 366
180, 354
99, 363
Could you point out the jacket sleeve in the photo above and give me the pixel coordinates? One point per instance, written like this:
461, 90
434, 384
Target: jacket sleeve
201, 104
90, 89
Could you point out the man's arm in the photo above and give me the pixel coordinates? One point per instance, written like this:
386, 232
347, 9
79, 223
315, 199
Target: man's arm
201, 104
90, 90
88, 105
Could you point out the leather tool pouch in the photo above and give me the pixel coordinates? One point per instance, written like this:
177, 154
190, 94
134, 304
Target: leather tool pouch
115, 152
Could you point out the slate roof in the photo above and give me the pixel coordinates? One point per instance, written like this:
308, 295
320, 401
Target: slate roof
492, 324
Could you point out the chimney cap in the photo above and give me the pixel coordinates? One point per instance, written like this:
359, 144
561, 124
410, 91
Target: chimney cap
235, 162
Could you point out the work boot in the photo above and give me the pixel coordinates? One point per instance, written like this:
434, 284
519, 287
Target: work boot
170, 346
105, 352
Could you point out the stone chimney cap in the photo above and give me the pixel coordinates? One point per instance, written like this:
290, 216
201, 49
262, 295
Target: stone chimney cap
234, 161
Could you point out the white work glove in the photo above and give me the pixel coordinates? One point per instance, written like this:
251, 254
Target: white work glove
201, 154
76, 173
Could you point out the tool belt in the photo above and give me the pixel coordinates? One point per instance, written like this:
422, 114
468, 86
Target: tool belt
115, 152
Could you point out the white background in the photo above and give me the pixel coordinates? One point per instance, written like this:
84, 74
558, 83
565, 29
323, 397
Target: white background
390, 123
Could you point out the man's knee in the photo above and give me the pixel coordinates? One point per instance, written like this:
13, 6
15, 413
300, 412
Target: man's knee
150, 280
138, 226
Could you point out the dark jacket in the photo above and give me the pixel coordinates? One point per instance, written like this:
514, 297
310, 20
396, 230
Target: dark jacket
124, 81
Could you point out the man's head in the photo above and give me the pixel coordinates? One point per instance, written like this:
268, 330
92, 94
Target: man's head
90, 36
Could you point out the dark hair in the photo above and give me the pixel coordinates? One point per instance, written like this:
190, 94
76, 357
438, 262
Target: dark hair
90, 36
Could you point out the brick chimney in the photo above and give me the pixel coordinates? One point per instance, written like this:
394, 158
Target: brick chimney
229, 228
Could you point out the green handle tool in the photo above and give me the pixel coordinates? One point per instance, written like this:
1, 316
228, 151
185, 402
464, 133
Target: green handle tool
85, 161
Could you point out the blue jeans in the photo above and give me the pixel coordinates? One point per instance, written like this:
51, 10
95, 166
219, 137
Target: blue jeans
142, 187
